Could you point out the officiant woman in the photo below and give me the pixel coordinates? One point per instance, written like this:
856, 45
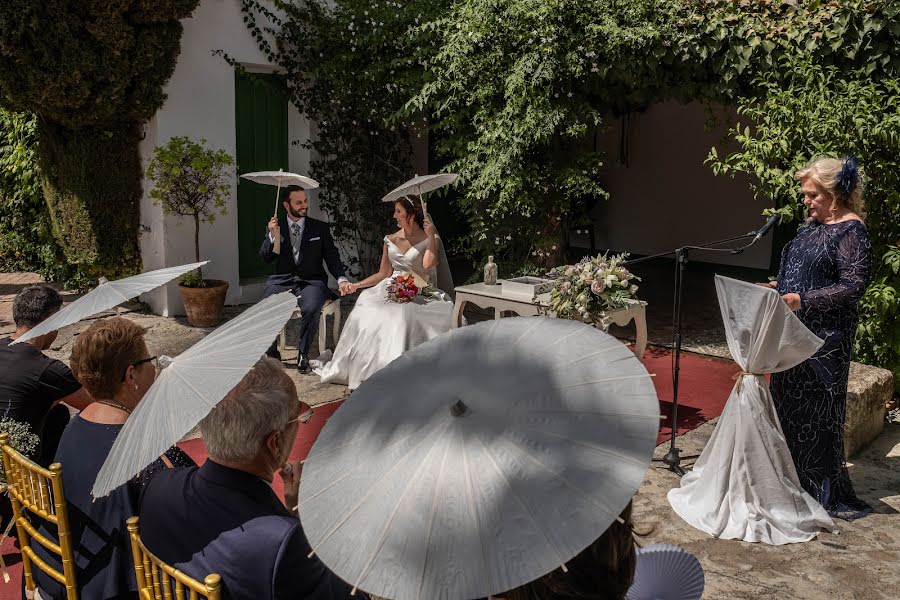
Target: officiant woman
824, 272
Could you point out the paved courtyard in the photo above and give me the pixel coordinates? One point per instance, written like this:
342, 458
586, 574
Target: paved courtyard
861, 562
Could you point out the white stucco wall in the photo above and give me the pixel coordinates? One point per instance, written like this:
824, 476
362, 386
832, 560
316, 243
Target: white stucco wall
666, 197
201, 105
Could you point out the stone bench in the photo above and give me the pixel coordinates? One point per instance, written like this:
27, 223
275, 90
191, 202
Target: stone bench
868, 392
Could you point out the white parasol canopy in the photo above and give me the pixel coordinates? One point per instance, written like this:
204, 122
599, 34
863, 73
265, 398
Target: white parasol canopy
190, 387
420, 184
107, 295
744, 484
480, 460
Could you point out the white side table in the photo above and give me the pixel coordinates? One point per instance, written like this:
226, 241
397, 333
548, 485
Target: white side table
491, 296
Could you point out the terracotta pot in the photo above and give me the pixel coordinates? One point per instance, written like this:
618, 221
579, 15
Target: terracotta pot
204, 305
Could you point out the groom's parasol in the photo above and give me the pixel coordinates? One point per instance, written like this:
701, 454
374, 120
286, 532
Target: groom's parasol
190, 387
107, 295
480, 460
280, 179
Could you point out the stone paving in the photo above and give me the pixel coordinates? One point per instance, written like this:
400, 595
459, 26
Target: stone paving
862, 562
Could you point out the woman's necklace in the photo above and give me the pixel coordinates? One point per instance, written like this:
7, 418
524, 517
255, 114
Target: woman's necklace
115, 405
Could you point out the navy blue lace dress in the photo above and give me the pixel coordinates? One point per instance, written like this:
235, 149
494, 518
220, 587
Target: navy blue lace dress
828, 265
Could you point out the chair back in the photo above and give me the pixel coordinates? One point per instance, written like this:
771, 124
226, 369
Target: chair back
158, 581
39, 491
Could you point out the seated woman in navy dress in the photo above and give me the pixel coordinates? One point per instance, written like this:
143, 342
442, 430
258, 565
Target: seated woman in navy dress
824, 272
111, 361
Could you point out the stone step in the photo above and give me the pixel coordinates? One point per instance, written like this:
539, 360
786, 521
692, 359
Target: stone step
869, 390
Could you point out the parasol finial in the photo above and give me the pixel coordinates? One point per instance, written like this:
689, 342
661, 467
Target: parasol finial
458, 408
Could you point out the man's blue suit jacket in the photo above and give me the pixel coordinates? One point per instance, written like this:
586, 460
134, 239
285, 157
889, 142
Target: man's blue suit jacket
214, 519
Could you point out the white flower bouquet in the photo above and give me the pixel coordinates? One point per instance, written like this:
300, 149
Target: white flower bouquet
588, 290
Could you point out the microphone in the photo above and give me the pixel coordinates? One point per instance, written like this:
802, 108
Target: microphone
773, 220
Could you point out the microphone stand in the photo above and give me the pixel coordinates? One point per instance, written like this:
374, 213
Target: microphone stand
673, 458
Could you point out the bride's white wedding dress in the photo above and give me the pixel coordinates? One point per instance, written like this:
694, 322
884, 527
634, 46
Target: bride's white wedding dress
379, 330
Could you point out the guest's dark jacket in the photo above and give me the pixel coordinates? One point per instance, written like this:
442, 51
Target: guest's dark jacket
316, 246
214, 519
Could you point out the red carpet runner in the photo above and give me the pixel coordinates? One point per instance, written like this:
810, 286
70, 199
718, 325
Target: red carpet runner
703, 389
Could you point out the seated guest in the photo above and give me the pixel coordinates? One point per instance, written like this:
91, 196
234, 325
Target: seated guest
602, 571
224, 517
31, 383
111, 360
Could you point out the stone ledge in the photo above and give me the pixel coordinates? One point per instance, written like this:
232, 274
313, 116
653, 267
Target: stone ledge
868, 392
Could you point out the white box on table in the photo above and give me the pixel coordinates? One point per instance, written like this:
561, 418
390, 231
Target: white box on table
525, 288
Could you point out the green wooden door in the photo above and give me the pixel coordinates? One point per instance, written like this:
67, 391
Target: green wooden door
262, 145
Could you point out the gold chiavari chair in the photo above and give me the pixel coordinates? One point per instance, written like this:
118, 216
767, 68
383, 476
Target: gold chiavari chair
39, 491
158, 581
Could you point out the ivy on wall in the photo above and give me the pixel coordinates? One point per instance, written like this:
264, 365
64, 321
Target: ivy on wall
515, 92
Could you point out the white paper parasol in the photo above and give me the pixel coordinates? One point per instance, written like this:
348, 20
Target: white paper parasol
192, 384
480, 460
280, 179
420, 184
107, 295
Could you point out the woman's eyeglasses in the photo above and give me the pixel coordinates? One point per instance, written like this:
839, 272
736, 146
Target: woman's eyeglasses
150, 359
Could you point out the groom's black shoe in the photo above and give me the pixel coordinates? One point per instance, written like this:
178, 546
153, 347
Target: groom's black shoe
303, 365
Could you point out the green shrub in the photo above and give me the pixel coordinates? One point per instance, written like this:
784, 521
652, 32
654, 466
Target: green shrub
26, 234
190, 181
807, 110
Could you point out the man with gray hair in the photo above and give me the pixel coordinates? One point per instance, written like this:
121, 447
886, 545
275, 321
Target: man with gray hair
223, 517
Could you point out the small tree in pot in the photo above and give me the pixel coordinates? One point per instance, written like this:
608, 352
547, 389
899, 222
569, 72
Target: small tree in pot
191, 180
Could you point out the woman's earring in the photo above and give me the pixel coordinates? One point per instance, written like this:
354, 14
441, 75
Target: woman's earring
135, 386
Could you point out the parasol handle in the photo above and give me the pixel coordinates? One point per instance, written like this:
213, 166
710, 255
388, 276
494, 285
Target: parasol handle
276, 242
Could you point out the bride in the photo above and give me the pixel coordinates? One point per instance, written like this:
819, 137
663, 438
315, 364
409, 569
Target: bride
379, 330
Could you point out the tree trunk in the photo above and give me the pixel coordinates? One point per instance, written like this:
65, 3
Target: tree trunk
197, 244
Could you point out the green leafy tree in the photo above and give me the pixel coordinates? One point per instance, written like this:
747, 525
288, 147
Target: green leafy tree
808, 110
91, 71
193, 181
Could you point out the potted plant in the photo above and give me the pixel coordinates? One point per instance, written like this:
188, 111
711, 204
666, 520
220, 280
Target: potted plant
191, 180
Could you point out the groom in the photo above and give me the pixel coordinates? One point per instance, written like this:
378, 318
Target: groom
305, 244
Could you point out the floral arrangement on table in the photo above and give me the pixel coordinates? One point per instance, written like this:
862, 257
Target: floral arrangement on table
405, 287
588, 290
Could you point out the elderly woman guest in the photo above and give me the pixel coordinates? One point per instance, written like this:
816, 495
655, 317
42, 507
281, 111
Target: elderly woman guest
824, 272
111, 361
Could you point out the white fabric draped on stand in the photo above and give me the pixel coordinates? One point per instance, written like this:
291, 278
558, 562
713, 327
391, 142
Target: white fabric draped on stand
744, 485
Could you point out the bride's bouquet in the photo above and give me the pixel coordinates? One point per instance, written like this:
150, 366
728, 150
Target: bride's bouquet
406, 287
402, 288
591, 288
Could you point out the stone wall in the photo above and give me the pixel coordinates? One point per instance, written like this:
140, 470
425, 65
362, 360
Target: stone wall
868, 392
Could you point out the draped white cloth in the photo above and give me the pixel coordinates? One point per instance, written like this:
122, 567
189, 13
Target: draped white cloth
378, 330
744, 485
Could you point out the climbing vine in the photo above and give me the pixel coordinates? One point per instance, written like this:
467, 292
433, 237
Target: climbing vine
514, 94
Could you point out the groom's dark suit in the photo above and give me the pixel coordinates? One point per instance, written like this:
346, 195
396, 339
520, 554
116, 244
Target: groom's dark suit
304, 276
